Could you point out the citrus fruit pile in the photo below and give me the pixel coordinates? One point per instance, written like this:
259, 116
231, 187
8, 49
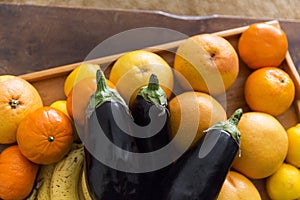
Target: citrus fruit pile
205, 67
268, 150
34, 133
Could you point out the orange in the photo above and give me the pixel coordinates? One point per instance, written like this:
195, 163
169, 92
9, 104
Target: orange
284, 184
17, 174
17, 99
264, 145
79, 97
208, 62
45, 136
263, 45
190, 114
293, 154
133, 70
60, 105
269, 90
82, 71
238, 187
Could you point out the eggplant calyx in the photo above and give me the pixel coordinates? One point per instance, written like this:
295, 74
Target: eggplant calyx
153, 92
103, 93
230, 125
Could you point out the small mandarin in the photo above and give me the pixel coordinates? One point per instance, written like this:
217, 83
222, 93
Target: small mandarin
263, 45
17, 174
45, 136
269, 90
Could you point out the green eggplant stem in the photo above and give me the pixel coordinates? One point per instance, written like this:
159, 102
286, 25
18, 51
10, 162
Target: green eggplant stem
153, 82
153, 92
230, 125
235, 117
103, 93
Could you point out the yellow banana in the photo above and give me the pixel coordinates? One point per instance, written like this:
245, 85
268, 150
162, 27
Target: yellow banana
65, 179
84, 187
44, 179
80, 189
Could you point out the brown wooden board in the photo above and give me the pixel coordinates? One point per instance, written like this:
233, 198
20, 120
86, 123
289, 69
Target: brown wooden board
34, 38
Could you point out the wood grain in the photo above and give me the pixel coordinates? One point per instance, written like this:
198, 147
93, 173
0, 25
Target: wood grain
34, 38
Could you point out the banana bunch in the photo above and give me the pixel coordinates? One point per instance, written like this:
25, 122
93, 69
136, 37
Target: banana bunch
64, 180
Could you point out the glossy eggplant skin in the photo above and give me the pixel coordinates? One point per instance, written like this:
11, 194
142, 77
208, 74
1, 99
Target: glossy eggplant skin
150, 184
104, 182
140, 113
199, 174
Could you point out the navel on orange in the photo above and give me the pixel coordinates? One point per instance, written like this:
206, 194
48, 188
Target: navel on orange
45, 136
269, 90
17, 99
263, 45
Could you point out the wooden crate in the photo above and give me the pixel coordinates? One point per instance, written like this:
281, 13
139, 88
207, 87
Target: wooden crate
50, 82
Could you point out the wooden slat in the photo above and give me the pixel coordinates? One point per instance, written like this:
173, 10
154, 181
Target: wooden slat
62, 70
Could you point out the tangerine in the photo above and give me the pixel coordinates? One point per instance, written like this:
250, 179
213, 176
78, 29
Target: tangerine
17, 174
269, 90
45, 136
262, 45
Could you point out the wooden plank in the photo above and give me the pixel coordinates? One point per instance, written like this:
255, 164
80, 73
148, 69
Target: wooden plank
34, 38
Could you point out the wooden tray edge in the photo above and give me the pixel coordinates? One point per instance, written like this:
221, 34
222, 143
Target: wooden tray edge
65, 69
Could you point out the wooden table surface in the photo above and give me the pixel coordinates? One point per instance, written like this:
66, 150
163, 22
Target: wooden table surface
34, 38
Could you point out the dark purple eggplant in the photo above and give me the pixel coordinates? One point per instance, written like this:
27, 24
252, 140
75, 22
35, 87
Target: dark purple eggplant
150, 112
150, 107
200, 172
108, 115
